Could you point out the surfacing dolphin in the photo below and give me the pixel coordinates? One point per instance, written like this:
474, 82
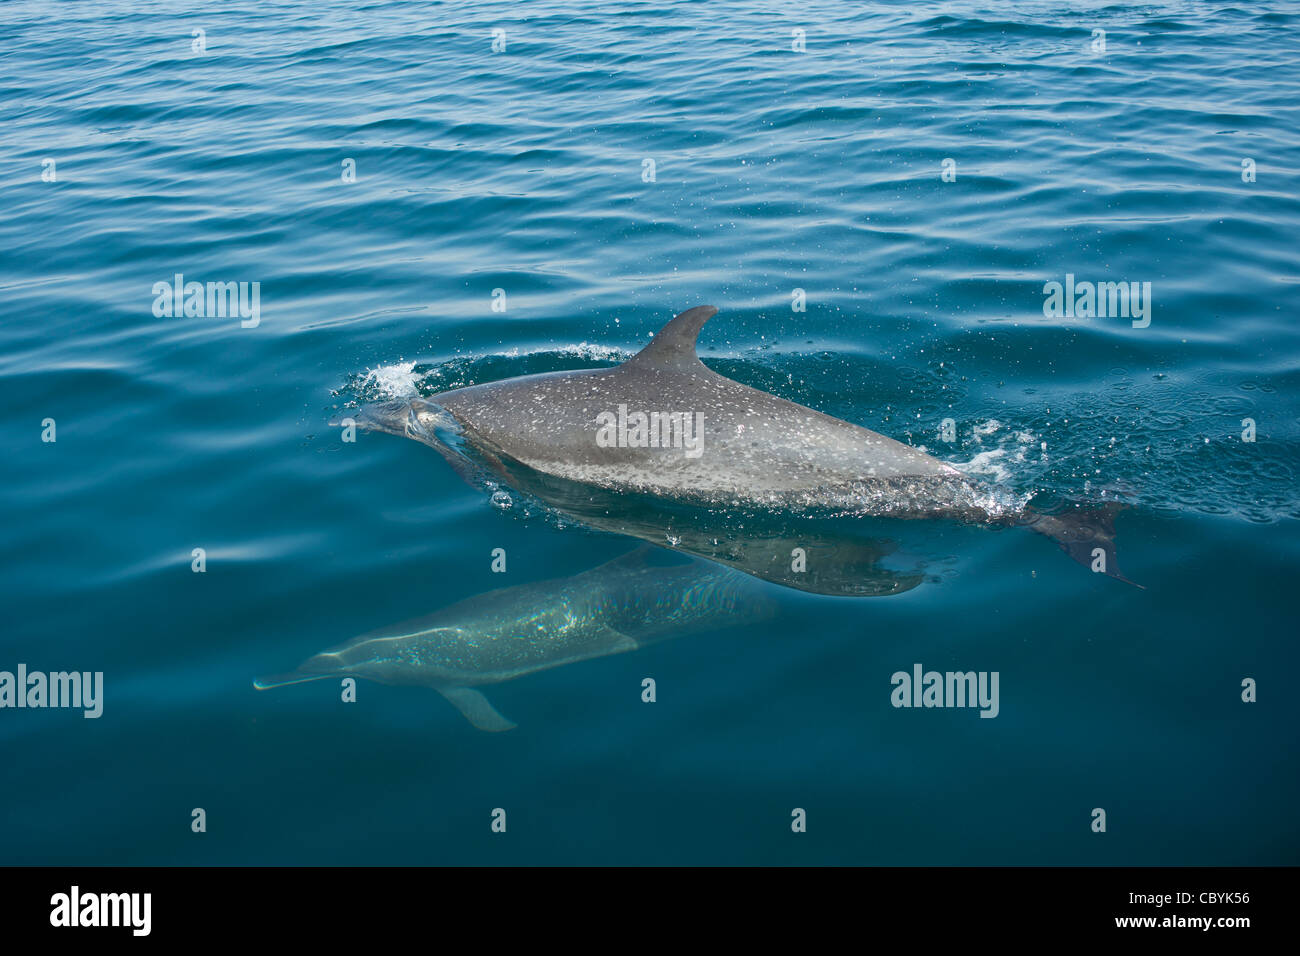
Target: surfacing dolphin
620, 606
664, 425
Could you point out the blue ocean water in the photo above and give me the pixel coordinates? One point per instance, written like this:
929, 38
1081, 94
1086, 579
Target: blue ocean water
1168, 155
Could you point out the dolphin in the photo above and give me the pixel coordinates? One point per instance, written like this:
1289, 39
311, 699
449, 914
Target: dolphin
663, 425
620, 606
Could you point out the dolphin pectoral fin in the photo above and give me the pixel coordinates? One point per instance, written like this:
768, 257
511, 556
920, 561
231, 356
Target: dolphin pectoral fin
475, 708
284, 680
675, 343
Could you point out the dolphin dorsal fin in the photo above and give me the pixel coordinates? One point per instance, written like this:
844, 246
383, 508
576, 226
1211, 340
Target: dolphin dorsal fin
675, 343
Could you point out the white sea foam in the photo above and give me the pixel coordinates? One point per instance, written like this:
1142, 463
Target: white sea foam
389, 382
596, 353
988, 464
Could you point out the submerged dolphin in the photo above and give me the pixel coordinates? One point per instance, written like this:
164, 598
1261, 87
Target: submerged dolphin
664, 425
622, 605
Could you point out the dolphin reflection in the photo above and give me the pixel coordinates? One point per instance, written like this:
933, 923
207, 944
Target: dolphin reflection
619, 606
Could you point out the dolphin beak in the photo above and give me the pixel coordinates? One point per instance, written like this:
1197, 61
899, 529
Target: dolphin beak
415, 419
314, 668
391, 417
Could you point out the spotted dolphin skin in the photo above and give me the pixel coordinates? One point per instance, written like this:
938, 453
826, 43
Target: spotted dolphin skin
620, 606
664, 425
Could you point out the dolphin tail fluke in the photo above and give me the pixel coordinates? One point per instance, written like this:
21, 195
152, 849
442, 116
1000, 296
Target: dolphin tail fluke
284, 680
1087, 534
476, 708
